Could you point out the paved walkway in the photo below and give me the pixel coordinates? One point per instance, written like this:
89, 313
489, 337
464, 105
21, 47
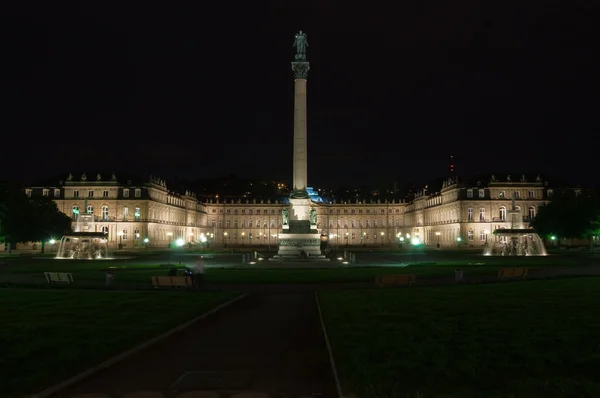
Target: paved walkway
265, 345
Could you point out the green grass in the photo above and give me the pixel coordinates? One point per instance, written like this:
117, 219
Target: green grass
526, 339
431, 264
50, 335
143, 274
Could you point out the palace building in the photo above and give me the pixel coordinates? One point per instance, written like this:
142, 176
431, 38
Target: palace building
138, 214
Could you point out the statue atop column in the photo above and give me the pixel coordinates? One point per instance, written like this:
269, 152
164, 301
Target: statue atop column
300, 44
300, 65
286, 216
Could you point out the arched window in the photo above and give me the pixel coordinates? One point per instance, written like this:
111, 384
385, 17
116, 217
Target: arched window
105, 212
502, 213
531, 212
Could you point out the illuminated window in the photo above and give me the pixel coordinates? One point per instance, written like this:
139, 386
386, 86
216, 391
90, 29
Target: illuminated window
105, 212
470, 214
470, 235
502, 213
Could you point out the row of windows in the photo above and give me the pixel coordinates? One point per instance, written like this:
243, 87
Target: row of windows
347, 235
331, 211
502, 213
124, 234
91, 193
104, 211
501, 194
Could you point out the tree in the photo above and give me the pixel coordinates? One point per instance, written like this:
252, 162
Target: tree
24, 219
14, 215
48, 222
570, 214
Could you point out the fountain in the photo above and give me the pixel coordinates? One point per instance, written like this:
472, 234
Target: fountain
83, 243
516, 240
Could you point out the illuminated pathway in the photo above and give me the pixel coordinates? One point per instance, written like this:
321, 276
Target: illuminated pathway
263, 346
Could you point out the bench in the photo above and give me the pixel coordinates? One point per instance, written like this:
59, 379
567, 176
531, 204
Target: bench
172, 281
504, 273
395, 280
60, 277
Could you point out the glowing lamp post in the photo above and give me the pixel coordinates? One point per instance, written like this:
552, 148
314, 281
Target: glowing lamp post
416, 242
438, 233
146, 241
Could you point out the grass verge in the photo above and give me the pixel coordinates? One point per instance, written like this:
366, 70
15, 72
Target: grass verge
50, 335
526, 339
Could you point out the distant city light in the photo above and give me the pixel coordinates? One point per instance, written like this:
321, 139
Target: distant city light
179, 242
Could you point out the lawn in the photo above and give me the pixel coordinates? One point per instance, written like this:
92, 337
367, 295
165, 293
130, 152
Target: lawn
93, 273
509, 340
139, 271
50, 335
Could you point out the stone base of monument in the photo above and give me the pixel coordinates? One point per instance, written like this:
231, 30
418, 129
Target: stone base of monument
300, 241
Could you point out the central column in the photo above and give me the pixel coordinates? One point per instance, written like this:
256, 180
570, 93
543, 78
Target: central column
300, 69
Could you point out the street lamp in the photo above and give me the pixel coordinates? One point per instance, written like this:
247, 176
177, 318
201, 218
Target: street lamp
224, 239
382, 235
438, 233
243, 234
416, 242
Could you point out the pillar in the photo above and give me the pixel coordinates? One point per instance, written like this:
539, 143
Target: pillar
300, 69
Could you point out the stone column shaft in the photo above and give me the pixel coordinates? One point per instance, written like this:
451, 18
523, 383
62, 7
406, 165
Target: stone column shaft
300, 144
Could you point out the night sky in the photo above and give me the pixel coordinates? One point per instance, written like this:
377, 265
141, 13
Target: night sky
206, 89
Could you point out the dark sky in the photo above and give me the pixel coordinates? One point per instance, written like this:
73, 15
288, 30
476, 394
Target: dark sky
204, 89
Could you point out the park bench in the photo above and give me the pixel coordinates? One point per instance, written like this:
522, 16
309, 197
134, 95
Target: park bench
171, 281
395, 280
504, 273
60, 277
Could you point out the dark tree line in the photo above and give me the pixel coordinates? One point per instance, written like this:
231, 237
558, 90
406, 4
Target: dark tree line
24, 219
570, 214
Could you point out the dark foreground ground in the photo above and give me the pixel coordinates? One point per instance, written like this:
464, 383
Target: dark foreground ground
265, 343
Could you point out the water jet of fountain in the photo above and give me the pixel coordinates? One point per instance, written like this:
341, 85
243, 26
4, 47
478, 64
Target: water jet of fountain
83, 243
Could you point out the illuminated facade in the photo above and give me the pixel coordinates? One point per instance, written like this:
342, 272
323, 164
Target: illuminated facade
130, 213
